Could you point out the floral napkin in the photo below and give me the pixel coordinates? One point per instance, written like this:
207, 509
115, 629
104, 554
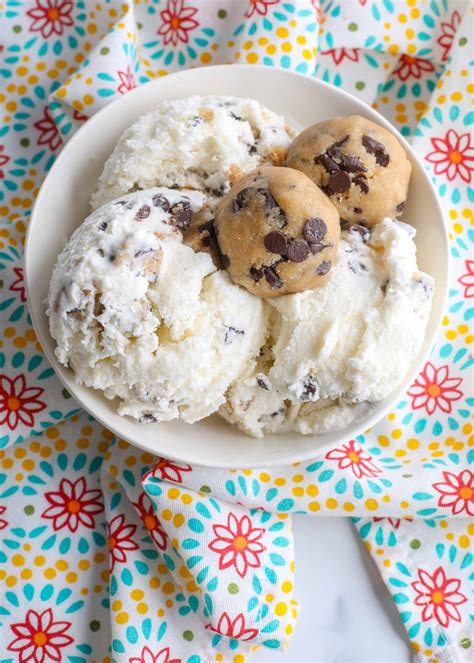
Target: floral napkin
111, 554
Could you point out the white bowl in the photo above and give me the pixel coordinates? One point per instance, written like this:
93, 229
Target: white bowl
63, 203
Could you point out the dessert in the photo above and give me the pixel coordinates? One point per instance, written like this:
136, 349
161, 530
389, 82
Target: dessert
210, 278
360, 165
201, 143
334, 350
142, 317
278, 232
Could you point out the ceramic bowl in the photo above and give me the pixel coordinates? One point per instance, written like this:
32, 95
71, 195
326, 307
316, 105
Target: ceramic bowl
63, 203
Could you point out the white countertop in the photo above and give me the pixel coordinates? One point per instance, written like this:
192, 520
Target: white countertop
346, 614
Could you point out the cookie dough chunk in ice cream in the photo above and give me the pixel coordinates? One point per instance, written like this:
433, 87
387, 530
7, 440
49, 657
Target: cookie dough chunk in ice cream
336, 349
201, 143
142, 317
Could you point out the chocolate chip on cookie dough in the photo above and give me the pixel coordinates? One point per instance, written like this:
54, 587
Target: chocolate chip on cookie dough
278, 232
360, 165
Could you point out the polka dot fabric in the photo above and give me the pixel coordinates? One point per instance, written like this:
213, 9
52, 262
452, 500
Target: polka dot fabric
113, 555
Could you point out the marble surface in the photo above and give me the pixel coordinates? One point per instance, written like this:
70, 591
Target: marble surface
346, 613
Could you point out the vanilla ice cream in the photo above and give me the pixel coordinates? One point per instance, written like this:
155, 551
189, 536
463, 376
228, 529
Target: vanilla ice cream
201, 143
142, 317
334, 350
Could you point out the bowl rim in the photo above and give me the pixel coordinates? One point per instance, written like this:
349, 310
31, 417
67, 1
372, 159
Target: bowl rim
304, 455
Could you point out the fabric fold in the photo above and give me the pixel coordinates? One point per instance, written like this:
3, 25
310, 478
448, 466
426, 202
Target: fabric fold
112, 553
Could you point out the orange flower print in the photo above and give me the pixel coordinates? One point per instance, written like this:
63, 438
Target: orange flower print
235, 628
73, 504
434, 389
49, 133
341, 54
169, 470
177, 22
119, 540
410, 67
4, 159
351, 455
467, 280
18, 403
448, 33
127, 80
150, 520
439, 596
453, 156
147, 656
39, 638
19, 285
50, 17
457, 491
259, 7
238, 544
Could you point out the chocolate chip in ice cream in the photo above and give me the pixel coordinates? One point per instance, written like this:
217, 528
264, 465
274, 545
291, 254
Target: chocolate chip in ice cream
231, 334
143, 213
147, 419
310, 390
181, 215
160, 201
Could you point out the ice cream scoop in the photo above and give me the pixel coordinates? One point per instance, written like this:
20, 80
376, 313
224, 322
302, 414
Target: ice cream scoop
142, 317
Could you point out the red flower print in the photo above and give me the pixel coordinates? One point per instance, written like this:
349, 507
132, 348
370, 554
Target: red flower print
146, 511
4, 159
467, 280
19, 284
453, 155
177, 22
80, 117
457, 491
259, 7
394, 522
434, 389
119, 540
352, 455
238, 544
3, 523
18, 402
410, 67
127, 81
317, 8
73, 504
50, 17
169, 470
234, 629
49, 134
448, 34
439, 596
40, 639
147, 656
340, 54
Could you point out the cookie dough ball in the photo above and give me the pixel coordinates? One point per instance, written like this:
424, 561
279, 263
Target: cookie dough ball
278, 233
360, 165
